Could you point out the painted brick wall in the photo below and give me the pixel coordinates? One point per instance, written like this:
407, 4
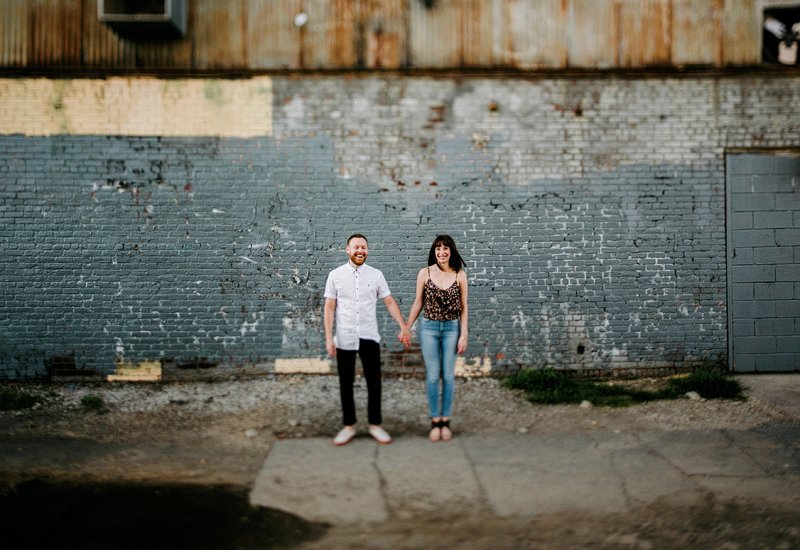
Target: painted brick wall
591, 213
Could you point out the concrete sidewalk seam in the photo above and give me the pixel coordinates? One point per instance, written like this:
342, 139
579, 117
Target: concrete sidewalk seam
484, 500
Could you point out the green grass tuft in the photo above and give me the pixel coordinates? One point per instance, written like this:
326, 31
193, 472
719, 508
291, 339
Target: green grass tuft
13, 398
709, 383
551, 386
93, 403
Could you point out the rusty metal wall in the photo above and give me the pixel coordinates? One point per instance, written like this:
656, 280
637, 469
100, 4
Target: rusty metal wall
262, 35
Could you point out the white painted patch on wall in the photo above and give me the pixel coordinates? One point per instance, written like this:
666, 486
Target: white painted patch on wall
248, 327
302, 365
520, 319
294, 112
137, 106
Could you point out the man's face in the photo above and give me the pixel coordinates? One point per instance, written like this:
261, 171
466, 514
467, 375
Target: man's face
357, 250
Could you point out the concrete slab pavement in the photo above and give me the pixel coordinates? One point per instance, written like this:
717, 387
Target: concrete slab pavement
517, 475
529, 474
780, 391
313, 478
532, 474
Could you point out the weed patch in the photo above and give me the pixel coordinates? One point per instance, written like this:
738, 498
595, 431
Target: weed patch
93, 403
13, 398
550, 386
708, 383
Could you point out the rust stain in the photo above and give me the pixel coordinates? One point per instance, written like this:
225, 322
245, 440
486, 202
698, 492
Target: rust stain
437, 114
342, 36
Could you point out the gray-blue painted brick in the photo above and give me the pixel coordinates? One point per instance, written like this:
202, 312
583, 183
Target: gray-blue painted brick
772, 255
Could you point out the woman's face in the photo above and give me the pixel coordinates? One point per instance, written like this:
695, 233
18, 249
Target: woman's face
442, 254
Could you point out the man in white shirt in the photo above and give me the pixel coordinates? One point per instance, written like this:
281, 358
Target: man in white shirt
351, 294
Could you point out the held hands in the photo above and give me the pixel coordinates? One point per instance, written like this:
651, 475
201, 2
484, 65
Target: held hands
405, 336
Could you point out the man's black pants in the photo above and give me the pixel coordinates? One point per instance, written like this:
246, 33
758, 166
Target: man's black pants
370, 353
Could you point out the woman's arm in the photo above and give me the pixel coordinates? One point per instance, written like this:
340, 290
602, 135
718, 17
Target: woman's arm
416, 307
464, 336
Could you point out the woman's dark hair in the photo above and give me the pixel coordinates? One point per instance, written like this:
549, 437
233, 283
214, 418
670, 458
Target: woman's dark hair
456, 261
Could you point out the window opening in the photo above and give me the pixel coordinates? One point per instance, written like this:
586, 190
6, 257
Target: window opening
781, 33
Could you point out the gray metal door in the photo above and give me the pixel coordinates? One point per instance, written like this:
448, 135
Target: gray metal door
763, 261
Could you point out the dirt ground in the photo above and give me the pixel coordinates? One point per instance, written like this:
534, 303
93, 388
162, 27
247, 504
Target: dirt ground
202, 435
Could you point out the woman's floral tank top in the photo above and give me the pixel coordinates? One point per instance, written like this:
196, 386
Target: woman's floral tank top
441, 304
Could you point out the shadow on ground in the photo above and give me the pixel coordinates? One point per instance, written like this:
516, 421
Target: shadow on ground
40, 514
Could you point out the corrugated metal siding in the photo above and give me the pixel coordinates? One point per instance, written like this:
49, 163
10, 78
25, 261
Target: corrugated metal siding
13, 33
273, 40
535, 34
697, 32
425, 34
101, 47
644, 32
314, 37
741, 41
54, 33
220, 34
433, 35
592, 34
384, 33
328, 40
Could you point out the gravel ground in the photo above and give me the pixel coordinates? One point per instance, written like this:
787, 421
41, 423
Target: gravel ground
221, 431
308, 406
212, 435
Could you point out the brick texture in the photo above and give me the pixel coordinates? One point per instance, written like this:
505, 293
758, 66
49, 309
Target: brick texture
591, 213
764, 256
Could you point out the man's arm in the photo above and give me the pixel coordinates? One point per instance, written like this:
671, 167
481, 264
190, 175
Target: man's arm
329, 313
394, 310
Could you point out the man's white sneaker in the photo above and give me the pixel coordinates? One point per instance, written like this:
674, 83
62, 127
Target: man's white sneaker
380, 435
344, 436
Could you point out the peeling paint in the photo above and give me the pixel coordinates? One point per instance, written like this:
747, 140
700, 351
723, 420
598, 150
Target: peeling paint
474, 367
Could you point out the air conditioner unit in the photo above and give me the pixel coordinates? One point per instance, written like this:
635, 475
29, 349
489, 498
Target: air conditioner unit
144, 19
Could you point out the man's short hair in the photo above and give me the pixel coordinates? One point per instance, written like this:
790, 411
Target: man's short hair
356, 236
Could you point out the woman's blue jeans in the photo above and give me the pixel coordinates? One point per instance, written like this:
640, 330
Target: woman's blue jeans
439, 341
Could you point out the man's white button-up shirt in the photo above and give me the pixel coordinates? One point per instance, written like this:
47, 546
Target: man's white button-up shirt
356, 291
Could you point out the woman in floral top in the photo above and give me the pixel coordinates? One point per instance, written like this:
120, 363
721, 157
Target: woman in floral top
442, 298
